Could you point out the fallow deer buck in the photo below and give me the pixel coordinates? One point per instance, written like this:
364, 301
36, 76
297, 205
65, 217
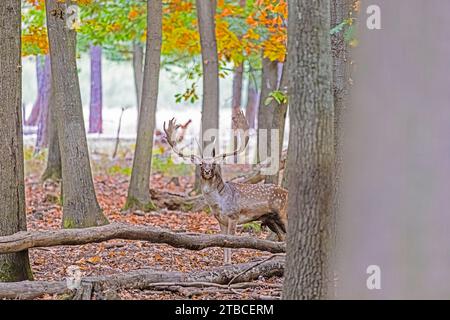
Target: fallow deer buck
235, 203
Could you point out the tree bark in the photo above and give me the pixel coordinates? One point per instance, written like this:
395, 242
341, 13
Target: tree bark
34, 115
279, 122
96, 105
192, 241
146, 279
251, 108
340, 10
80, 206
210, 105
16, 266
138, 58
269, 81
42, 132
139, 189
53, 169
311, 151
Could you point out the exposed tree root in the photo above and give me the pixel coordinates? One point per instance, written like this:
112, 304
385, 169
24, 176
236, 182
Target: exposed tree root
105, 287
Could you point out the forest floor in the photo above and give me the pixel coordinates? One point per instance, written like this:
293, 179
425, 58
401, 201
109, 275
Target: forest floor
111, 179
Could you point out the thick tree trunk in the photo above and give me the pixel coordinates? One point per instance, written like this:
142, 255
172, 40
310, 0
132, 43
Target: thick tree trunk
279, 121
139, 189
311, 151
251, 108
96, 105
210, 104
138, 61
269, 81
80, 206
53, 169
34, 115
42, 132
147, 279
16, 266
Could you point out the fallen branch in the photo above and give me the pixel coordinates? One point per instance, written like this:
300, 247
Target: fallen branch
141, 279
192, 241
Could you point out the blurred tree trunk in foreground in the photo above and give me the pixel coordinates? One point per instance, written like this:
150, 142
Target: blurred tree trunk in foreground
396, 203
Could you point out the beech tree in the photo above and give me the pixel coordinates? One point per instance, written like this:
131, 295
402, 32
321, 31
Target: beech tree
311, 150
210, 66
44, 100
53, 168
95, 104
80, 206
14, 266
139, 189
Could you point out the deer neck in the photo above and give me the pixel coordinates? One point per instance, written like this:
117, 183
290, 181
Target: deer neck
215, 185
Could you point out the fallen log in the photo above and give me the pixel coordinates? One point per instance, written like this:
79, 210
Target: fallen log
192, 241
144, 279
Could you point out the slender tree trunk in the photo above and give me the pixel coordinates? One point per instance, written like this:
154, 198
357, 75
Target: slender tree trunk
210, 104
42, 132
53, 169
279, 120
251, 108
96, 105
269, 80
80, 206
16, 266
34, 115
138, 59
311, 151
139, 189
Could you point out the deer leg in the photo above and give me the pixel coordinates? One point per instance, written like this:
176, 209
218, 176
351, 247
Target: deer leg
231, 230
226, 251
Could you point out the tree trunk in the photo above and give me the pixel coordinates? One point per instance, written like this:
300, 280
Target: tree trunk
96, 105
53, 170
80, 206
34, 115
311, 151
210, 105
42, 132
16, 266
340, 10
138, 58
251, 108
269, 80
279, 121
236, 100
139, 189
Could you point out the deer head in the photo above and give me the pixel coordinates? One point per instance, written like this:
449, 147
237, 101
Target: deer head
209, 166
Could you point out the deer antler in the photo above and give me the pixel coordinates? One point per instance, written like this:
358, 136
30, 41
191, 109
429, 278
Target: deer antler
239, 123
172, 141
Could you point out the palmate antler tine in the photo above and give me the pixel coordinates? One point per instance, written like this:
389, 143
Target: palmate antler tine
241, 124
171, 139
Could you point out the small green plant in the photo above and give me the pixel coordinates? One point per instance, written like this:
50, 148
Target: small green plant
254, 227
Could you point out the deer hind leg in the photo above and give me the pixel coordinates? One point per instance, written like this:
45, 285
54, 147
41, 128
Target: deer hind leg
276, 224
